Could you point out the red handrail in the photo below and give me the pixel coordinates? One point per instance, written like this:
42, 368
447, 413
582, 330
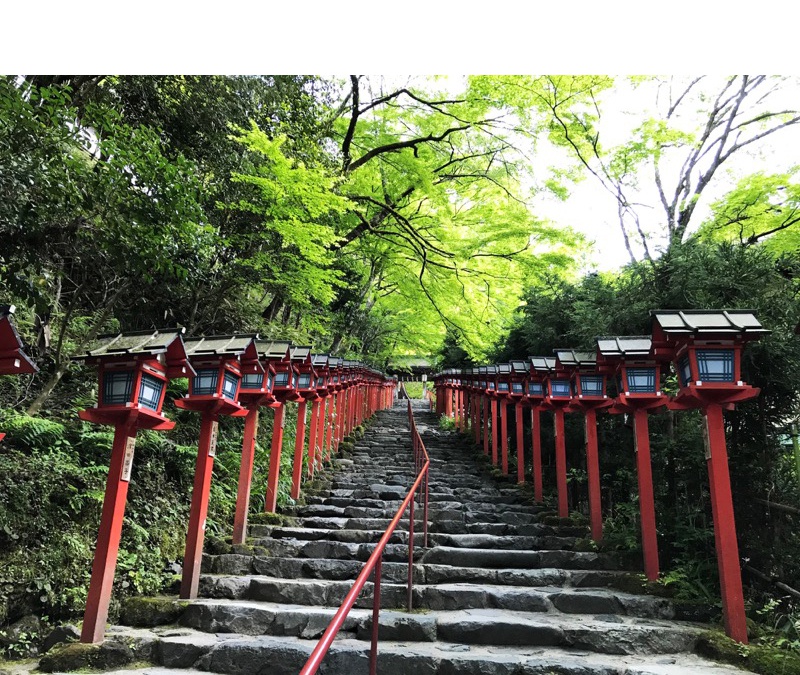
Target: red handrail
421, 463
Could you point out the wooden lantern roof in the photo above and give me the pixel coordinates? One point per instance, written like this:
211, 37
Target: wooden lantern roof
275, 350
572, 358
153, 343
673, 323
301, 355
543, 364
220, 345
319, 360
13, 359
624, 346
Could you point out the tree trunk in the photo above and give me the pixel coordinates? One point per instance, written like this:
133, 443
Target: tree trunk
44, 394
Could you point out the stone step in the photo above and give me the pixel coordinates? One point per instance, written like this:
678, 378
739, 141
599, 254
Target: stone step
188, 650
447, 596
604, 633
496, 558
324, 568
337, 550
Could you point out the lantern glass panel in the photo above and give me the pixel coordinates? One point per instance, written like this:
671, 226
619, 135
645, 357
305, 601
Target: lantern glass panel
229, 385
516, 387
150, 389
559, 388
490, 386
252, 380
305, 381
269, 381
320, 381
684, 370
715, 365
281, 379
535, 389
502, 386
294, 381
592, 385
118, 387
641, 380
205, 382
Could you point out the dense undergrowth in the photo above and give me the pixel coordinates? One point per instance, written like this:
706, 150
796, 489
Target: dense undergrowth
52, 480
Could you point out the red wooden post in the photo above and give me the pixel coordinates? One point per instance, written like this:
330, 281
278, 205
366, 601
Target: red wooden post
448, 402
495, 431
536, 449
504, 434
321, 428
334, 403
593, 471
520, 445
647, 509
105, 557
275, 459
724, 526
476, 418
561, 462
299, 445
193, 555
245, 475
312, 437
486, 425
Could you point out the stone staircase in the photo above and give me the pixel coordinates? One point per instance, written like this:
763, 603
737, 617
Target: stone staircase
500, 590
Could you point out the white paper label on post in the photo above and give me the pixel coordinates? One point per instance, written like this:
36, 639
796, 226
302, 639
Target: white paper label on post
127, 462
212, 445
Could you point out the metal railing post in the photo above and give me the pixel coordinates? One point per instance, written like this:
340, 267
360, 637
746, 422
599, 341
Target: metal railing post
376, 610
411, 554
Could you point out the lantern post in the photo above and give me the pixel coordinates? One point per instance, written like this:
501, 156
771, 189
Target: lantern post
705, 347
13, 359
535, 398
558, 396
519, 372
484, 375
320, 364
588, 396
133, 370
475, 401
213, 391
503, 394
638, 376
307, 390
284, 390
255, 390
491, 394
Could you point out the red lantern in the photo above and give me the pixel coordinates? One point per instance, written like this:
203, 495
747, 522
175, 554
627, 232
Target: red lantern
638, 378
705, 347
13, 359
133, 372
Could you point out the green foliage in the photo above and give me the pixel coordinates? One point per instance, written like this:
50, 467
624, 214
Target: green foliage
696, 275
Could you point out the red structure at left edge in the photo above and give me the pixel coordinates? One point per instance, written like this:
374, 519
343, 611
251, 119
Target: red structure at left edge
133, 372
705, 347
13, 360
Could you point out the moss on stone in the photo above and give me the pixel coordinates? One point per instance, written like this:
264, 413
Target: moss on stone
267, 518
107, 655
146, 612
759, 658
